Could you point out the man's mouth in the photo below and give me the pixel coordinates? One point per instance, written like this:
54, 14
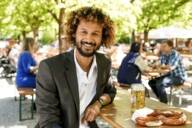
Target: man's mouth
88, 44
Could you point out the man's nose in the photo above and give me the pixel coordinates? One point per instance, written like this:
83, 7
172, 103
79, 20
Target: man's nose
88, 38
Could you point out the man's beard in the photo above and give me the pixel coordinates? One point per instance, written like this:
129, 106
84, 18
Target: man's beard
83, 52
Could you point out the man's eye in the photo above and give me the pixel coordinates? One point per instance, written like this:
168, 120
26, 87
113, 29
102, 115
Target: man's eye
95, 34
83, 32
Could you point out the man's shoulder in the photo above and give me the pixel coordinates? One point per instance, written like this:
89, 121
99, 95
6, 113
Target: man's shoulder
176, 54
102, 57
58, 58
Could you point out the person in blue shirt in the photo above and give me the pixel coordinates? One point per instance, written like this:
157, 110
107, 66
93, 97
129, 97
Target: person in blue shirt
27, 66
128, 72
132, 66
171, 60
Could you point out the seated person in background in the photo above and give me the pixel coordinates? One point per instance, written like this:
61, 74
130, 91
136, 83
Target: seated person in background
132, 66
188, 44
180, 44
176, 75
26, 68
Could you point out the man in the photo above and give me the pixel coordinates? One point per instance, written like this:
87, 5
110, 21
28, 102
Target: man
72, 87
176, 75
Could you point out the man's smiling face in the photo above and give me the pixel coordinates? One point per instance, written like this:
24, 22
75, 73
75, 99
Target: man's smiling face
88, 37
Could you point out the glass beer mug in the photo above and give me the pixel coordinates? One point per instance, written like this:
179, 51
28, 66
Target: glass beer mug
137, 96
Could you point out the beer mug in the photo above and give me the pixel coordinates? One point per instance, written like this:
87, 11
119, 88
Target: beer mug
137, 96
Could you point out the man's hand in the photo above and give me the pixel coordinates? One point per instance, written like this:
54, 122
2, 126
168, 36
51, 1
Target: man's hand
91, 112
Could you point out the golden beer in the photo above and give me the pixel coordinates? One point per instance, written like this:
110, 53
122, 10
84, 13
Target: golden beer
137, 96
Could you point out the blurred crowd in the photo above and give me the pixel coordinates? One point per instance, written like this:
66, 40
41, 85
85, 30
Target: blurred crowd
10, 50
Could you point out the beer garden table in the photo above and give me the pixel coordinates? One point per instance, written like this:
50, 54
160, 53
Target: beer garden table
118, 114
187, 55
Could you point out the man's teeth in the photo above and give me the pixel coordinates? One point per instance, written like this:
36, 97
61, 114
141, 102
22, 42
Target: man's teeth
88, 45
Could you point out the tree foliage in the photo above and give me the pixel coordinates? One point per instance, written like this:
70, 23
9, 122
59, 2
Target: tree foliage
155, 13
20, 17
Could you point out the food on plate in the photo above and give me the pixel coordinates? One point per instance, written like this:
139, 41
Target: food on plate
162, 117
148, 121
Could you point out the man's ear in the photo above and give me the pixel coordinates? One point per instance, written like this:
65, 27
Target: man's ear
74, 35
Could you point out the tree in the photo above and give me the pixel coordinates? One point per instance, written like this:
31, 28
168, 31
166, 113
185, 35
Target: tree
122, 13
4, 19
156, 13
57, 9
29, 16
186, 19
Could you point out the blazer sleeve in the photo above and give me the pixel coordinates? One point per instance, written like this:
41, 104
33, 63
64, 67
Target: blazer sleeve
47, 101
109, 88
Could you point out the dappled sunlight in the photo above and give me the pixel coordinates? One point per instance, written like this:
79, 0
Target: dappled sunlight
7, 90
187, 97
14, 126
117, 98
188, 108
7, 93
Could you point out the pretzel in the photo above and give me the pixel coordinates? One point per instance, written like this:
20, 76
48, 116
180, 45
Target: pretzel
159, 117
165, 113
147, 121
173, 121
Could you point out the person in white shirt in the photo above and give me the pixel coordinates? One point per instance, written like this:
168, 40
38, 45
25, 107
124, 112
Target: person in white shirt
73, 87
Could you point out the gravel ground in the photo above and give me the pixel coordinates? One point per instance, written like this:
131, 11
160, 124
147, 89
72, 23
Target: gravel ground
9, 108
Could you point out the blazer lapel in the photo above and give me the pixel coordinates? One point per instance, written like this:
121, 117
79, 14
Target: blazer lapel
101, 75
70, 74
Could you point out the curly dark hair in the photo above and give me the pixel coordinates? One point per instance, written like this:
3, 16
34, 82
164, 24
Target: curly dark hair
90, 14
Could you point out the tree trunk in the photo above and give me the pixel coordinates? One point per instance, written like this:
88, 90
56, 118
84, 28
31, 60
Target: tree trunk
24, 34
146, 32
35, 33
61, 28
133, 36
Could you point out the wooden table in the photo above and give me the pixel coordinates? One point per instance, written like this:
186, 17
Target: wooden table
157, 72
152, 57
186, 55
118, 114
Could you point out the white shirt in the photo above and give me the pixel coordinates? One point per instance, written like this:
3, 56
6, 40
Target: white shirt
87, 83
141, 63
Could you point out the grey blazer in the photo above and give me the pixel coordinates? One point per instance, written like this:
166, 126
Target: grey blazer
57, 93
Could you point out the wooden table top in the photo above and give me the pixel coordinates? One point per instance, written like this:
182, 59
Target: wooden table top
156, 72
118, 114
186, 55
152, 57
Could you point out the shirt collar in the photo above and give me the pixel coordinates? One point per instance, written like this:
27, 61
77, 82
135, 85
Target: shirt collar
80, 70
170, 54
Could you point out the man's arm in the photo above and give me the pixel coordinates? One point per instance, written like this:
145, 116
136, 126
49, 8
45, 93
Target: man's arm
107, 97
47, 100
174, 62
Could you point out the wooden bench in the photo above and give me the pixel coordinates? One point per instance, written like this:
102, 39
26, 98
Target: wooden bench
179, 88
22, 93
